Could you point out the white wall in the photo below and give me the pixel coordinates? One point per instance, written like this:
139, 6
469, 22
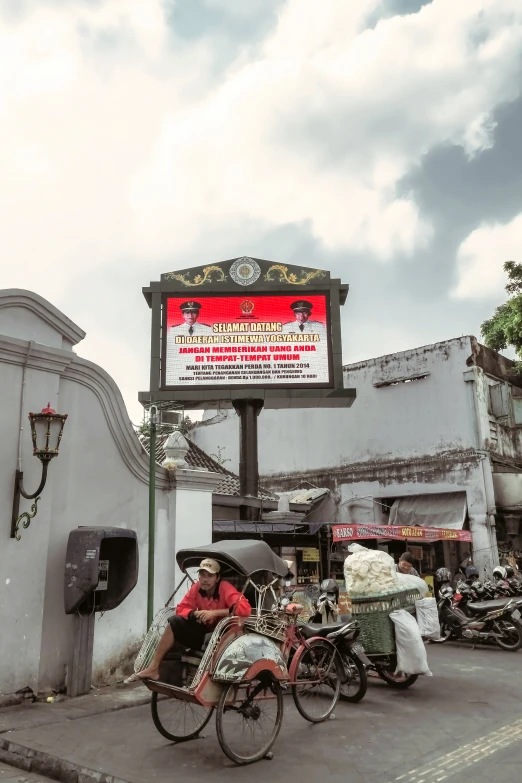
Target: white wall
412, 422
406, 421
99, 478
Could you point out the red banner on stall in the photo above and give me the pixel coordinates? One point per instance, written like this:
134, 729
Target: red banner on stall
402, 533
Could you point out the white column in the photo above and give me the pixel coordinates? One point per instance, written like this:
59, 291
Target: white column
191, 514
483, 553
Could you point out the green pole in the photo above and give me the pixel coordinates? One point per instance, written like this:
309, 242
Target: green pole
152, 515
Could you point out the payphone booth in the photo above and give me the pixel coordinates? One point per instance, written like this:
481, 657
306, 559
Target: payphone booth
101, 569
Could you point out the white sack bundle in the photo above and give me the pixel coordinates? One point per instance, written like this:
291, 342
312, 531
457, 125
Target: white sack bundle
428, 618
411, 582
411, 653
370, 572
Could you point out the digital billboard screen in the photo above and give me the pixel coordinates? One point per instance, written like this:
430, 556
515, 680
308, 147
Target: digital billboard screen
246, 340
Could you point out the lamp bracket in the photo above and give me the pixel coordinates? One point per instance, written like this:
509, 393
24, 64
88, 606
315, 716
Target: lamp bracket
19, 491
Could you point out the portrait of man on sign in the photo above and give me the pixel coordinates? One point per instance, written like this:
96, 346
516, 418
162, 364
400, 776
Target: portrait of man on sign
190, 325
303, 324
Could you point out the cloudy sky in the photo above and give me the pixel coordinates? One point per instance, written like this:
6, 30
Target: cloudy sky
380, 139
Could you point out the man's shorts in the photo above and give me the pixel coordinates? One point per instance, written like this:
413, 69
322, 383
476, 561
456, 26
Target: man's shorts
188, 633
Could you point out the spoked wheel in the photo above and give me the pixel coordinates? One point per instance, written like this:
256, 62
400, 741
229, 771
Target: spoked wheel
445, 635
398, 681
318, 681
511, 635
178, 720
355, 678
248, 719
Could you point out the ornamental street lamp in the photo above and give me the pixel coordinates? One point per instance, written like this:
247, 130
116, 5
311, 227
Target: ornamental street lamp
46, 434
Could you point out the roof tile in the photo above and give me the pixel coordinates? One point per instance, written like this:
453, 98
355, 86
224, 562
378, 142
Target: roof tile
197, 458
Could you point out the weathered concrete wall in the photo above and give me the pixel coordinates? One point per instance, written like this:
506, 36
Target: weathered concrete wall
403, 421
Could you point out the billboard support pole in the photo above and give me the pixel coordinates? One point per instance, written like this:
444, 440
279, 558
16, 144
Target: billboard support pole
248, 411
152, 514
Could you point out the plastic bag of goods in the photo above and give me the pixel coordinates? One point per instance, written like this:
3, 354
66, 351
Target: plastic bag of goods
428, 618
370, 572
411, 582
411, 653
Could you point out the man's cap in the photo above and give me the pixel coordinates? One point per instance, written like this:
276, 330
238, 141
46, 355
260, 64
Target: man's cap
187, 306
212, 566
301, 305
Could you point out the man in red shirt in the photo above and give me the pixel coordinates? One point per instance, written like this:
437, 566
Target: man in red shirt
206, 603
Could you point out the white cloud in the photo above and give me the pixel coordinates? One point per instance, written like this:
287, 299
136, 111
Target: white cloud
481, 258
118, 141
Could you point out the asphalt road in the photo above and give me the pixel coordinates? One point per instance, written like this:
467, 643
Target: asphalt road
466, 719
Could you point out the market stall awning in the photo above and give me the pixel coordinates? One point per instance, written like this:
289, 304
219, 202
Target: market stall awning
444, 510
398, 532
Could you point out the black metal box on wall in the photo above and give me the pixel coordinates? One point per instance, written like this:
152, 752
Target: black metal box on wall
101, 568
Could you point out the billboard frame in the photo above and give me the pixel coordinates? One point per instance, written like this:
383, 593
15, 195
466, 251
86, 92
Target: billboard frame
272, 278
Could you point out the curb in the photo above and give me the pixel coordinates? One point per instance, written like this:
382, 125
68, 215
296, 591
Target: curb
38, 761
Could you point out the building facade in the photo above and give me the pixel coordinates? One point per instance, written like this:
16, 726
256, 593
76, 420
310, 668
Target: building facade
434, 438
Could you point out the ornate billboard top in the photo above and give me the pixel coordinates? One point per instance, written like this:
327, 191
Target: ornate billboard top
237, 274
246, 271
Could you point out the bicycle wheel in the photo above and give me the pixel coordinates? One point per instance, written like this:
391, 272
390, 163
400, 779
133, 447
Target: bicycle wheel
178, 720
248, 727
355, 678
318, 681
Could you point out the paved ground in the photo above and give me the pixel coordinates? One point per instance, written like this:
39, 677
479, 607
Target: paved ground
12, 775
467, 719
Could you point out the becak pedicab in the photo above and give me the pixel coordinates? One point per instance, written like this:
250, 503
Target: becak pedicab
247, 662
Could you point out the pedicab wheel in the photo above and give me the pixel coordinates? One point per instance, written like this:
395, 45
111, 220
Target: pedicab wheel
248, 719
178, 720
318, 681
397, 681
356, 683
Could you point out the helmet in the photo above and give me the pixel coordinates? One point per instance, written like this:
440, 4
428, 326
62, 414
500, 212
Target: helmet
472, 572
330, 587
510, 571
499, 572
442, 575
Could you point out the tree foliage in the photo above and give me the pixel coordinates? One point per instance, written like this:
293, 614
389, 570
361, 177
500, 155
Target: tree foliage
184, 427
504, 328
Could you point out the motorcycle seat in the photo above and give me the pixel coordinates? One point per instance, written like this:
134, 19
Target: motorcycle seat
488, 606
317, 629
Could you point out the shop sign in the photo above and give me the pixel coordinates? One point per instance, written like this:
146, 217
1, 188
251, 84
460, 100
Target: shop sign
398, 532
311, 555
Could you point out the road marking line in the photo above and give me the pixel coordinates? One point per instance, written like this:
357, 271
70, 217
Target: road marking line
467, 755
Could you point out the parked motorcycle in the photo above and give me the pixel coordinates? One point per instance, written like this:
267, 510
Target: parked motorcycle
343, 632
498, 621
354, 688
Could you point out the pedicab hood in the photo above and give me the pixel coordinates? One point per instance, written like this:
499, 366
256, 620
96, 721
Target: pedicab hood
245, 557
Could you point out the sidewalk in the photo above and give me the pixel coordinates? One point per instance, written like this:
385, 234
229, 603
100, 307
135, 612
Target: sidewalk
40, 715
390, 734
29, 715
